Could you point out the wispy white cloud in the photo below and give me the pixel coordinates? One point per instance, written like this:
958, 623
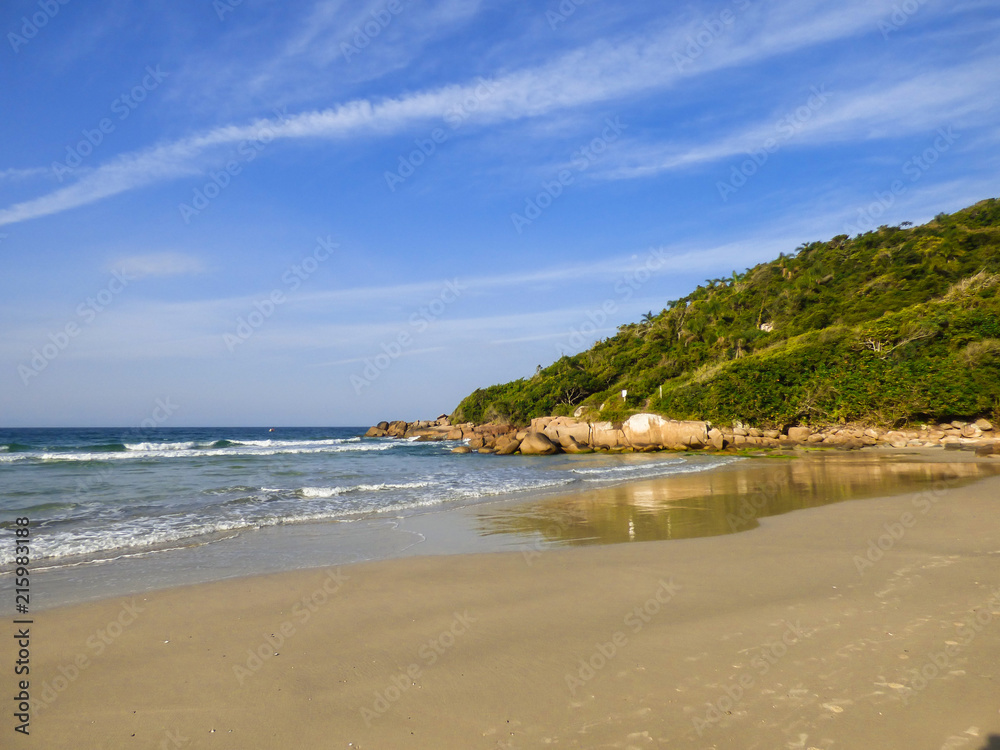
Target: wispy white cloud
601, 72
334, 23
606, 273
354, 321
160, 264
182, 322
325, 18
958, 96
327, 50
16, 175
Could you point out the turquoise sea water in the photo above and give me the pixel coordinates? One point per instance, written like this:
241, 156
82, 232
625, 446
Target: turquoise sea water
95, 494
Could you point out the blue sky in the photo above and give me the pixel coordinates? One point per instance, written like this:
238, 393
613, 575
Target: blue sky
326, 212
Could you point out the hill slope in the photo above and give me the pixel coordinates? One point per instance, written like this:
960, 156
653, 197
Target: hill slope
894, 325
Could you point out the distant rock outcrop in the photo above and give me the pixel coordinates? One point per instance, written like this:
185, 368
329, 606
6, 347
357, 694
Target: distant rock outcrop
651, 432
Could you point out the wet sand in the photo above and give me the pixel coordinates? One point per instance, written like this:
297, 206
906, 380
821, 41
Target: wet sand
871, 623
726, 500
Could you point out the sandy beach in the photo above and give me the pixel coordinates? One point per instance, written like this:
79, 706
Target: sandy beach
465, 375
861, 624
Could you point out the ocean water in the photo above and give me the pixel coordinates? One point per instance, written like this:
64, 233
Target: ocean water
104, 494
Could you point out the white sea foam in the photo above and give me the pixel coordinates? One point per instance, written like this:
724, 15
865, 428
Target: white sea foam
163, 446
142, 512
128, 536
146, 534
510, 486
158, 451
659, 469
295, 443
630, 467
325, 492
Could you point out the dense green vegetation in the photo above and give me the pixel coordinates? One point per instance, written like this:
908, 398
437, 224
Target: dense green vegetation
895, 325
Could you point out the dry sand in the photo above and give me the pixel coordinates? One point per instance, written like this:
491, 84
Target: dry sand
796, 634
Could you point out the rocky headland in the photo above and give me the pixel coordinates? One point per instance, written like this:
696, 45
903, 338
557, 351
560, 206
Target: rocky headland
651, 432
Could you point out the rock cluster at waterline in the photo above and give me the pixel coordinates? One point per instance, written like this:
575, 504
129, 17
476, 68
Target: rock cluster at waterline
651, 432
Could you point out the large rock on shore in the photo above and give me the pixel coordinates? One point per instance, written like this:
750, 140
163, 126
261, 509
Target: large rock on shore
574, 446
800, 434
653, 431
537, 444
493, 430
507, 445
564, 430
606, 435
538, 424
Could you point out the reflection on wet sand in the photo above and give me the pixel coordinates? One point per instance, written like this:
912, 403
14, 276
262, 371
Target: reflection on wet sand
723, 501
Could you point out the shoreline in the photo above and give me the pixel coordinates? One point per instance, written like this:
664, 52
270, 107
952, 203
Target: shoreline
721, 499
761, 639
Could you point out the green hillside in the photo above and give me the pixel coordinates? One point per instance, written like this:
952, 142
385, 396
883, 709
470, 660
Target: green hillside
895, 325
